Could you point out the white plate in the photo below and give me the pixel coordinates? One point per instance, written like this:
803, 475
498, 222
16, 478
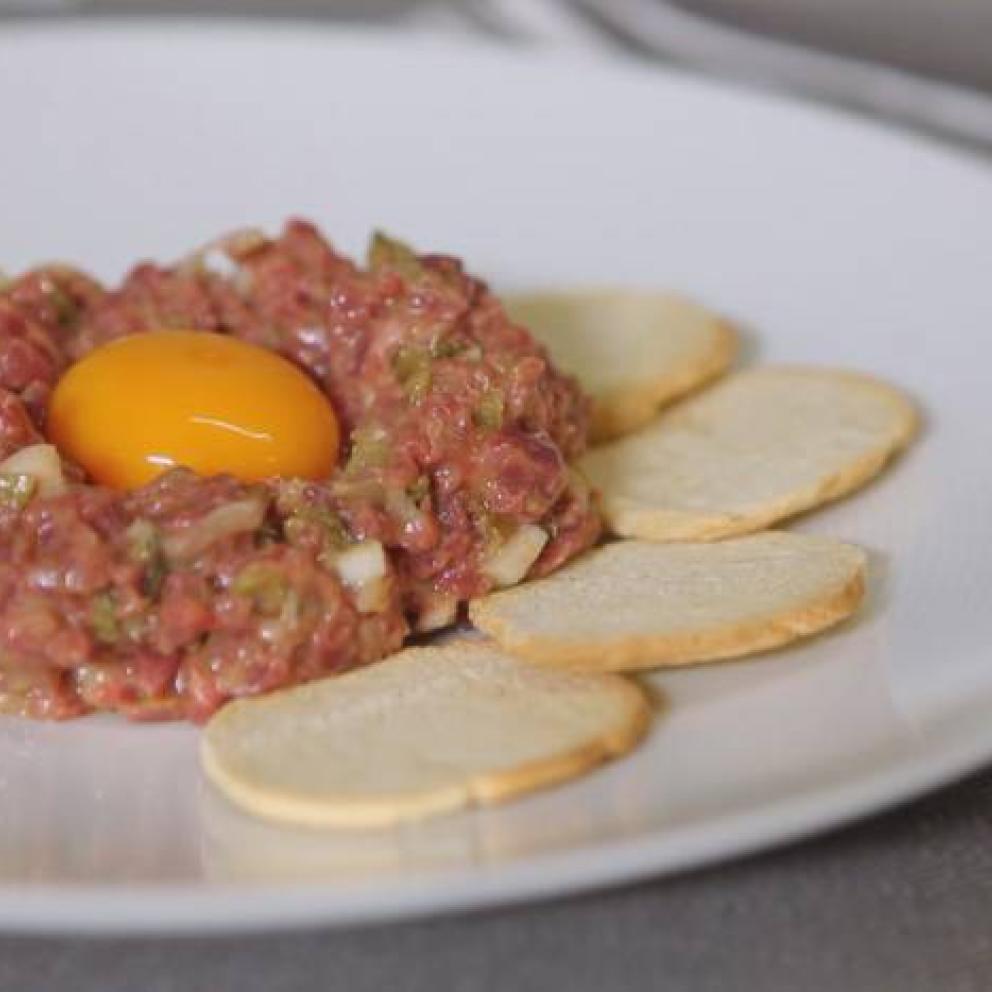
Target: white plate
835, 241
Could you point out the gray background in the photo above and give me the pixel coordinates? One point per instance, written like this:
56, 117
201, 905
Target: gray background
948, 39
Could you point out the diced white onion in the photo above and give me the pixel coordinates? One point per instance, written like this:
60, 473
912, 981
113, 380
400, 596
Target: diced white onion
241, 516
511, 561
217, 262
360, 563
42, 463
442, 612
219, 258
363, 569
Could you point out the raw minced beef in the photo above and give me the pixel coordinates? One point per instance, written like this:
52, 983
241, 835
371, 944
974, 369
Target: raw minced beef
169, 600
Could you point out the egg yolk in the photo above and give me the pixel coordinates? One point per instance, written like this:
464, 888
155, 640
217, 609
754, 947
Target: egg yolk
140, 405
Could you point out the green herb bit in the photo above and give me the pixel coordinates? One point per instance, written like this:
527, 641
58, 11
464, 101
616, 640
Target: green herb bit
265, 586
155, 572
103, 618
369, 449
413, 370
330, 524
145, 548
66, 310
489, 413
334, 528
388, 253
418, 385
448, 348
16, 489
408, 361
345, 488
420, 489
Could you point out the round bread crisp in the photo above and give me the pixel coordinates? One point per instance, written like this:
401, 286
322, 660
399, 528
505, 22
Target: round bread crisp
427, 731
638, 604
633, 352
758, 447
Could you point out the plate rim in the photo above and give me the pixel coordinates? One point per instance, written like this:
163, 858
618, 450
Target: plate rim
131, 910
191, 909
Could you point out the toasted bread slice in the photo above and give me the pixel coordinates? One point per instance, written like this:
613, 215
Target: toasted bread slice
633, 352
756, 448
638, 604
430, 730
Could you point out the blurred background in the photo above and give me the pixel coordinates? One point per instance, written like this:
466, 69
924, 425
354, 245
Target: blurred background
920, 62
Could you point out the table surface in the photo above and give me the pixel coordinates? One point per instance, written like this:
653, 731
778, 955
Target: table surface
900, 902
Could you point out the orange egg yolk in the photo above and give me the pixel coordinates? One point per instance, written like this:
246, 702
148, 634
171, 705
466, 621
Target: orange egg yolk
140, 405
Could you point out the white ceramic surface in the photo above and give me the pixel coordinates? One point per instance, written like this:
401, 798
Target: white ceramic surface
836, 242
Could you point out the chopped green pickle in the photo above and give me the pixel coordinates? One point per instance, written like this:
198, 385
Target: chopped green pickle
419, 489
145, 548
369, 449
327, 520
264, 585
64, 305
389, 253
489, 413
418, 385
413, 371
155, 572
409, 361
103, 618
446, 348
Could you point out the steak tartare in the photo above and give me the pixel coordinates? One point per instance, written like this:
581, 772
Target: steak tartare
168, 600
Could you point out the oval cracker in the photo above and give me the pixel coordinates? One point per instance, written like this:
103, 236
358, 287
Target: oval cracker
754, 449
638, 604
427, 731
632, 351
